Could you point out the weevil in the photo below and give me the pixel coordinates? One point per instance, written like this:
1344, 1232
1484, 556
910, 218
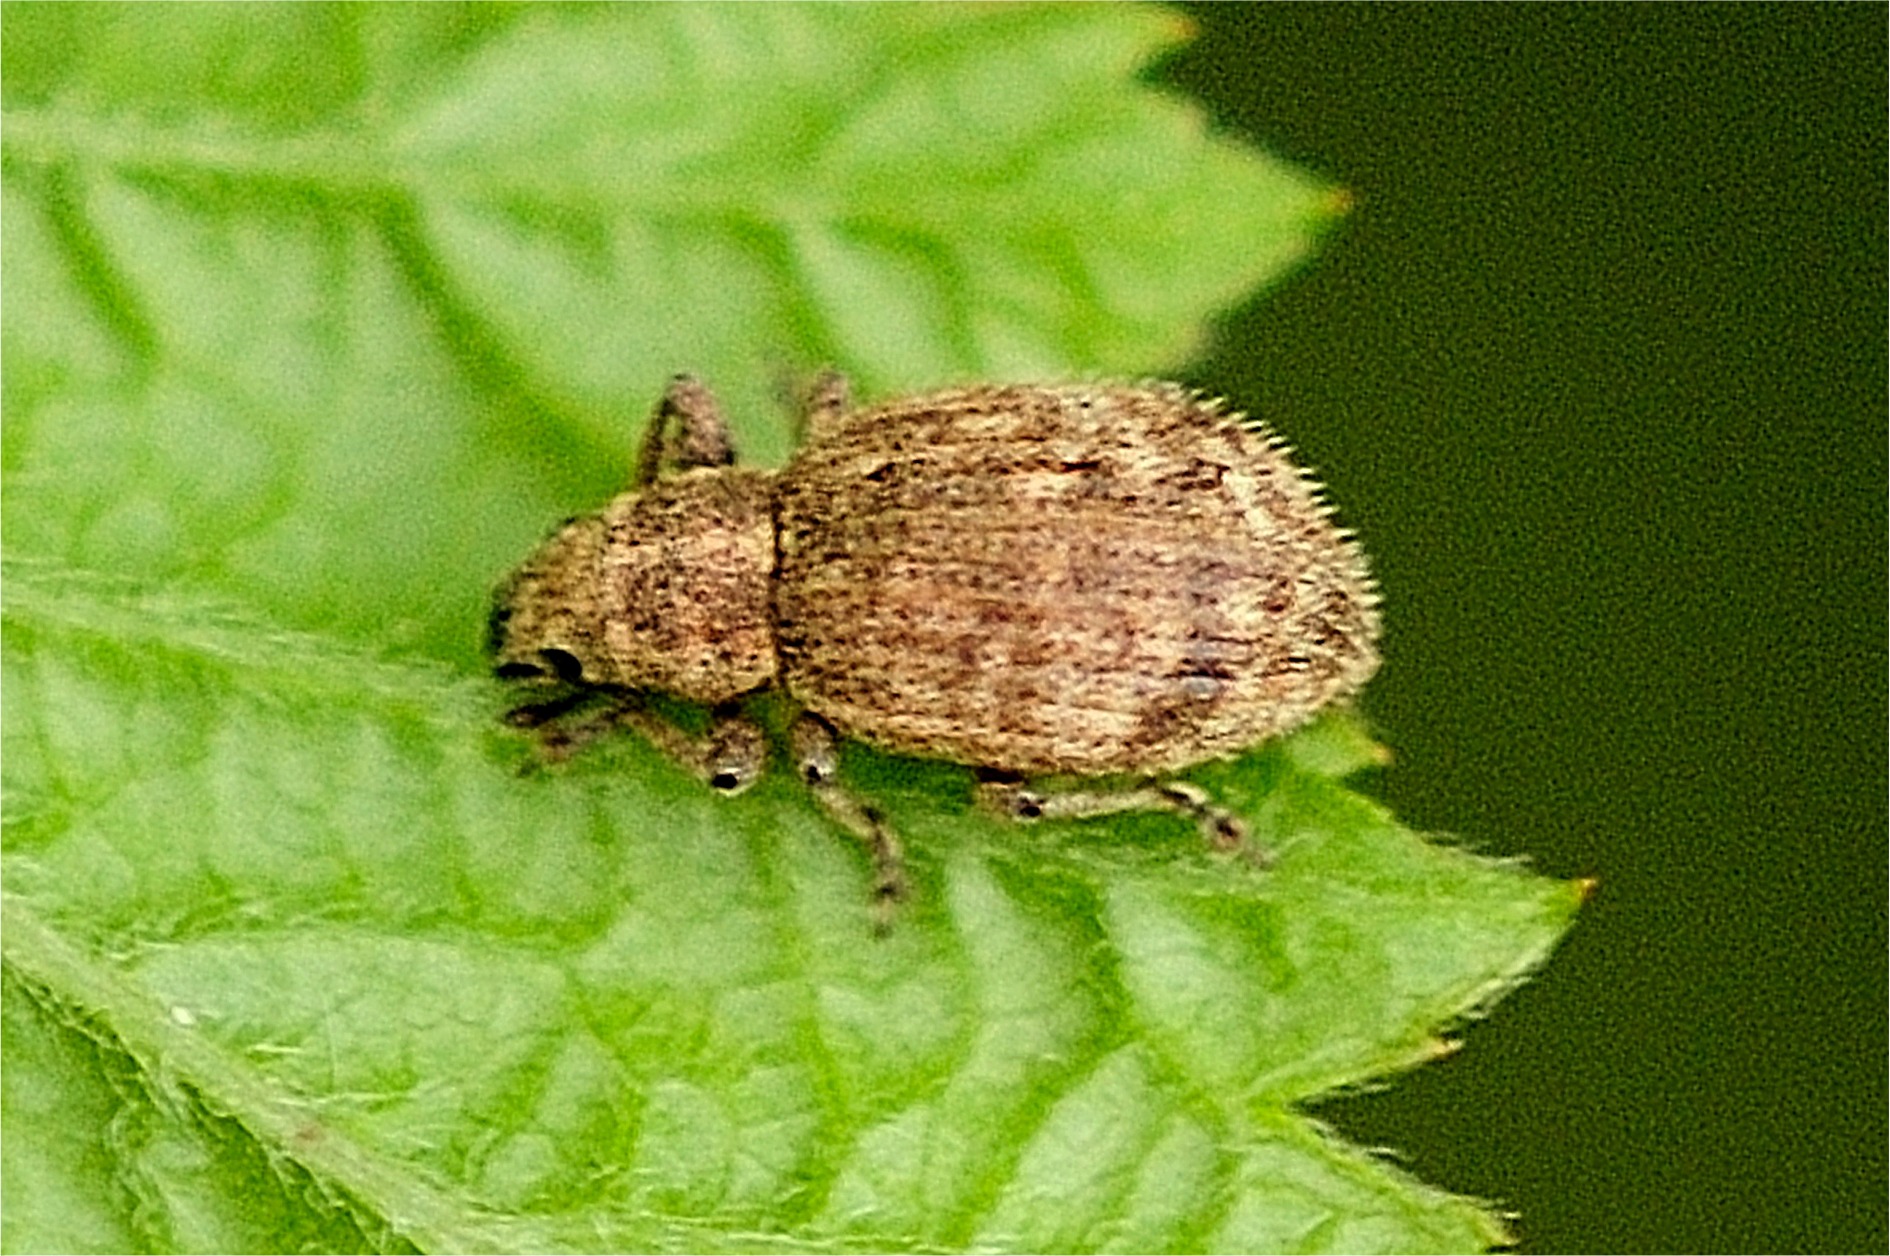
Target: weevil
1038, 581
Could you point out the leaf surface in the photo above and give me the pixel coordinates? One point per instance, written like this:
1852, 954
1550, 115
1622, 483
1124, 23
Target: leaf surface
317, 317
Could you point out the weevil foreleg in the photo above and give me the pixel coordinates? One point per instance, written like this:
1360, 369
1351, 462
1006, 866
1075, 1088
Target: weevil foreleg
816, 751
1220, 827
729, 757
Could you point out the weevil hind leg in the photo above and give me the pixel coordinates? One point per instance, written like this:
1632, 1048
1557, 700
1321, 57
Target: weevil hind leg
1010, 796
817, 755
687, 430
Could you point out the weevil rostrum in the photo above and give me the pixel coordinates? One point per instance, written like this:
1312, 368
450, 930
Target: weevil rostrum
1081, 580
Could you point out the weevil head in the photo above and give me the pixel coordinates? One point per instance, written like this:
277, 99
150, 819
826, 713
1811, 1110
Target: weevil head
668, 588
547, 621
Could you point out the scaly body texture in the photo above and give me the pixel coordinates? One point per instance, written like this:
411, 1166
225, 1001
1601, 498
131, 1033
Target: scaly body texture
1084, 580
1078, 579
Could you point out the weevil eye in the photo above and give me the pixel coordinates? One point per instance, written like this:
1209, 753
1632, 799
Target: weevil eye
563, 664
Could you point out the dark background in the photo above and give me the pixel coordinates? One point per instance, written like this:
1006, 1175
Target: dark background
1597, 368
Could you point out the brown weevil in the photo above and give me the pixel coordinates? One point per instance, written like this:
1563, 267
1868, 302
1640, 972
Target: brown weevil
1072, 580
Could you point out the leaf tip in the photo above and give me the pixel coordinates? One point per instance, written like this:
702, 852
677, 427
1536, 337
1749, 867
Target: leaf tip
1179, 28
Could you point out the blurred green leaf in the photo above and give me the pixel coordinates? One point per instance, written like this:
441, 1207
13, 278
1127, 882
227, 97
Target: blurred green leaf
317, 316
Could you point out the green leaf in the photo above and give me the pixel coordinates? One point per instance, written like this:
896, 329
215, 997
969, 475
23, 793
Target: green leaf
317, 317
340, 343
96, 1159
